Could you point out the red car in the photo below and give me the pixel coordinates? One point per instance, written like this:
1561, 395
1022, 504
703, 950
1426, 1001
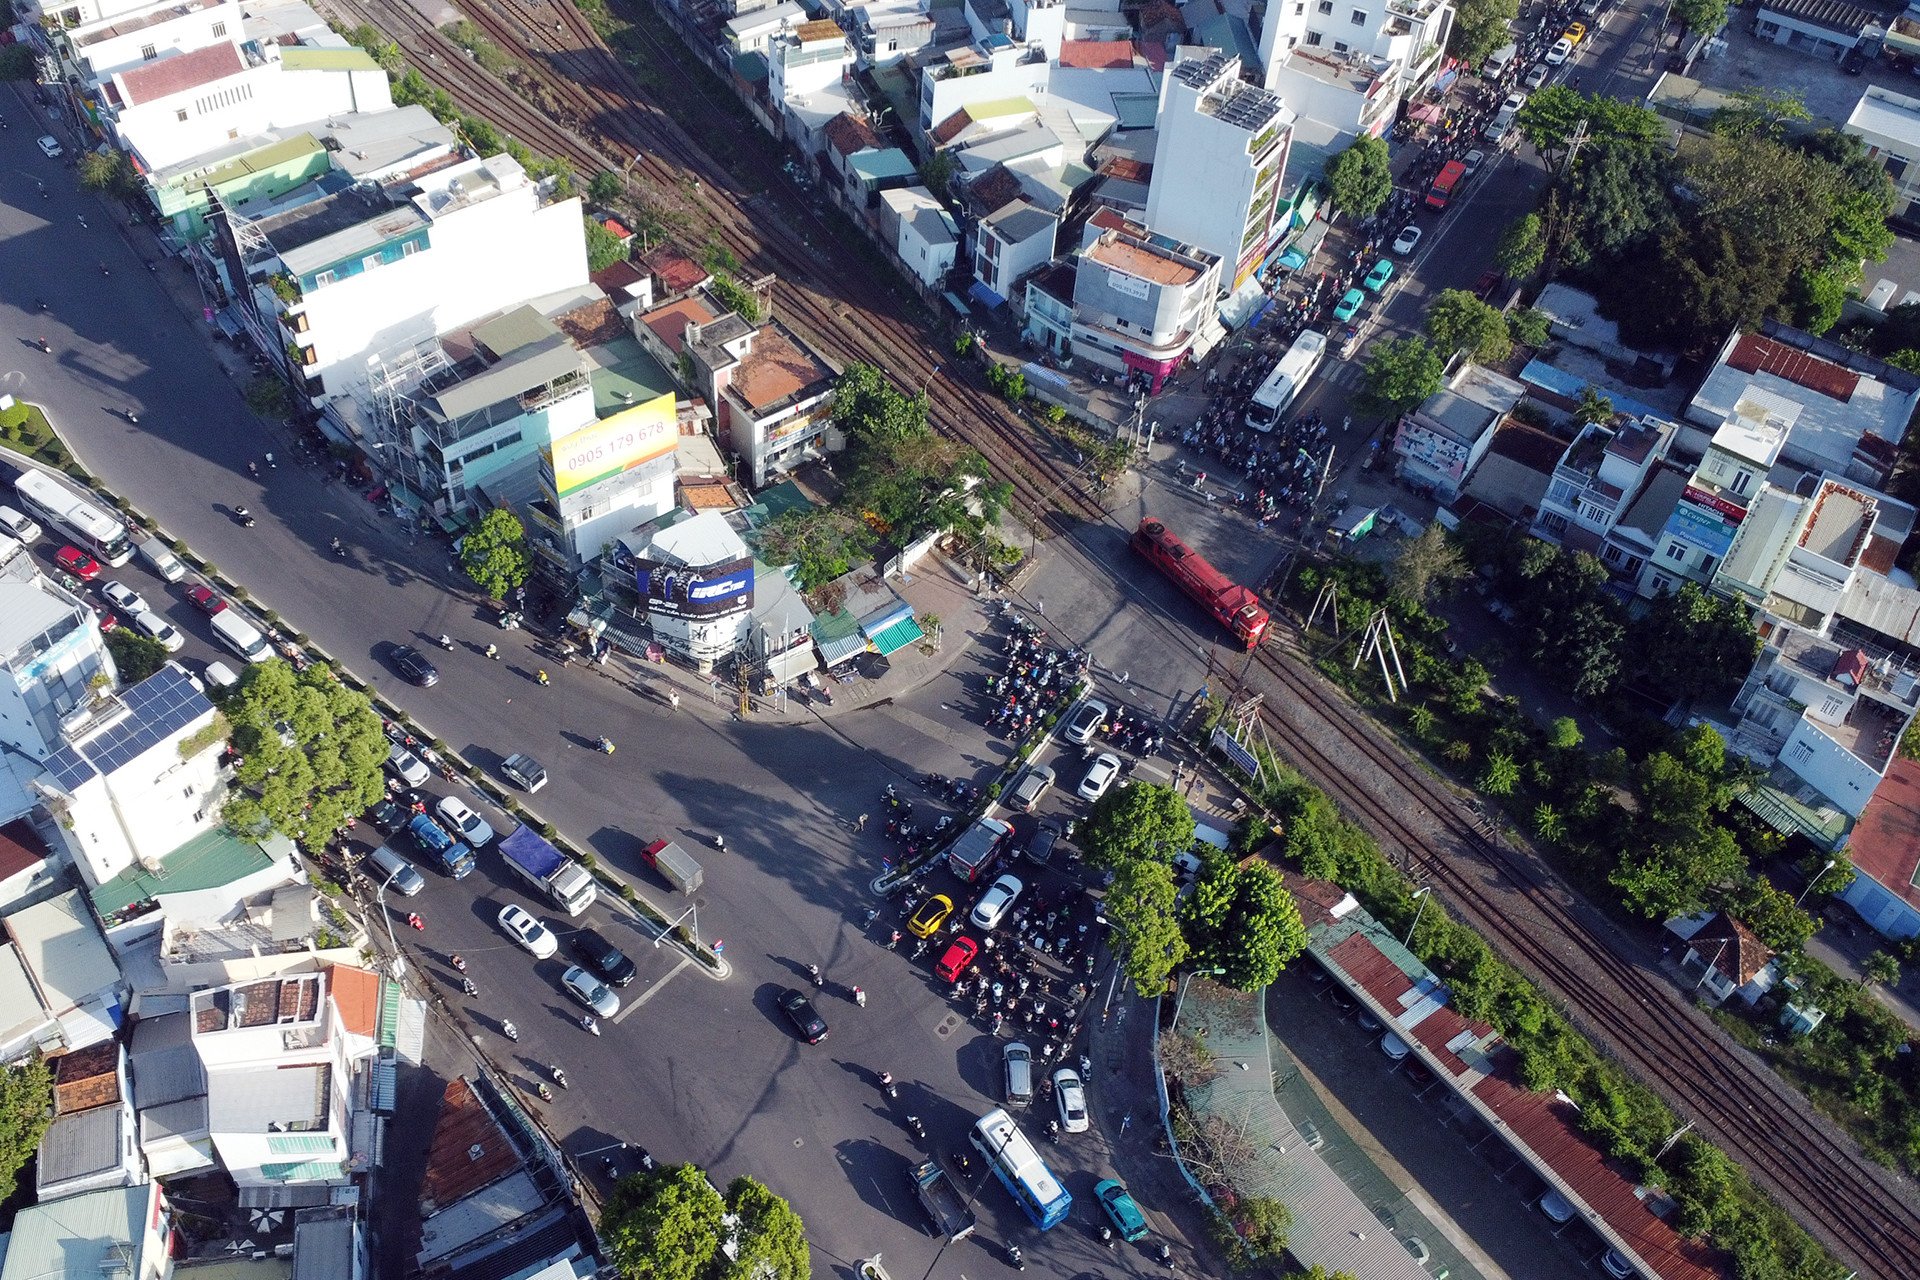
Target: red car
954, 963
205, 600
78, 563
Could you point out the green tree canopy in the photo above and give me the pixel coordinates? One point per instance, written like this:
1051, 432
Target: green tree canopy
110, 172
1400, 373
1459, 321
1573, 624
1423, 563
1775, 918
770, 1240
907, 479
667, 1224
1703, 17
603, 247
1594, 406
1751, 109
606, 185
1667, 878
26, 1109
311, 751
1146, 820
1141, 905
1242, 920
1360, 179
135, 656
1480, 27
1522, 247
494, 553
821, 542
1691, 643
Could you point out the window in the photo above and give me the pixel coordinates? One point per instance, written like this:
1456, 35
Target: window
181, 115
324, 277
369, 262
1611, 554
1800, 752
1831, 704
410, 248
1339, 46
1741, 480
1313, 38
148, 52
1359, 17
1706, 566
1677, 551
1325, 6
1300, 8
219, 30
1662, 584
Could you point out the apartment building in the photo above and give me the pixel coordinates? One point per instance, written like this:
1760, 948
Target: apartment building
1142, 302
1597, 485
1349, 64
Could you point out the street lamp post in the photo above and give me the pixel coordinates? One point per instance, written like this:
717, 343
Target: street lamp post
1831, 864
380, 901
1181, 999
1423, 893
694, 911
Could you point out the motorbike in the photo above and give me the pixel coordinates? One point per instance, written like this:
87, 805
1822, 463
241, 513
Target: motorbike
1014, 1258
559, 1076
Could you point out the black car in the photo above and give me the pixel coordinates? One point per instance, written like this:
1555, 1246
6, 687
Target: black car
389, 817
605, 959
801, 1013
414, 667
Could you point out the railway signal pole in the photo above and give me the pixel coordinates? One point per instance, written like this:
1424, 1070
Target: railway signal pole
1329, 600
1377, 642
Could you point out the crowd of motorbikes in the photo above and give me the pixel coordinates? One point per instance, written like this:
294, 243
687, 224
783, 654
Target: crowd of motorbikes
1034, 676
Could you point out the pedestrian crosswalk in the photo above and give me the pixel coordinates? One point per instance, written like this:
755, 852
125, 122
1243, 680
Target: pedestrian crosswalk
1345, 373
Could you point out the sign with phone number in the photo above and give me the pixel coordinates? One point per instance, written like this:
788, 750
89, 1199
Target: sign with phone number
614, 445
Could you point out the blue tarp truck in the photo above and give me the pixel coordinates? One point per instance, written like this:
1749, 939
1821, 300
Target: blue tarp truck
564, 882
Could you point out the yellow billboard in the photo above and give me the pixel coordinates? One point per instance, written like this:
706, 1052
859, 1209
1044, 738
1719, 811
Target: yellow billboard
615, 444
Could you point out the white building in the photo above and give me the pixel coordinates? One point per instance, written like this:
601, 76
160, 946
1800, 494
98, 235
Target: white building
1729, 479
94, 51
998, 69
1597, 482
355, 276
772, 394
1218, 164
50, 656
124, 1232
1442, 441
694, 580
1142, 302
923, 234
1010, 242
1889, 124
807, 66
1350, 63
751, 32
90, 1144
69, 966
281, 1061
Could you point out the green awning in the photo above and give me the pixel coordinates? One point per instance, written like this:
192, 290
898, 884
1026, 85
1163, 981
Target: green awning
896, 635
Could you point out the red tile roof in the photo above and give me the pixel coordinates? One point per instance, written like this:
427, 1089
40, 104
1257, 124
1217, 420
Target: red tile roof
168, 76
847, 133
619, 231
669, 323
1104, 55
949, 129
1371, 971
1755, 354
993, 190
1161, 13
1549, 1127
469, 1150
1732, 948
1531, 447
678, 273
86, 1078
619, 276
1440, 1029
1127, 169
20, 847
356, 993
774, 369
1885, 844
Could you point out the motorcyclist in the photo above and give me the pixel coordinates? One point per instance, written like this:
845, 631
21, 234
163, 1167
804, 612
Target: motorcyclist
606, 744
587, 1023
493, 650
446, 642
510, 1031
541, 676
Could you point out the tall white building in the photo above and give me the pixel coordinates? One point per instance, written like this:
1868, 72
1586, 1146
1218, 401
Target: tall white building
349, 277
50, 656
1142, 302
1218, 164
1350, 63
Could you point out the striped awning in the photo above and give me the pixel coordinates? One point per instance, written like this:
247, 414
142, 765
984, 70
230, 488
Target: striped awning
896, 636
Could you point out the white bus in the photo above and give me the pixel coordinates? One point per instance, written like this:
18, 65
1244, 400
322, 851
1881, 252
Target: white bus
1284, 383
90, 527
1020, 1169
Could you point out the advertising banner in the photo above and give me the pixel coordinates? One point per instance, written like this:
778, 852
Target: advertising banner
693, 593
613, 445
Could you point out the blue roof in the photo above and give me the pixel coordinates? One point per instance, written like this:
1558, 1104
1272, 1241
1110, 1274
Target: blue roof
156, 709
876, 164
1545, 376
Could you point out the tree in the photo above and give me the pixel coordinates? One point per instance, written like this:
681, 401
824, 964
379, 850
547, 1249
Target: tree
1659, 879
1752, 109
1522, 247
135, 656
770, 1240
1775, 918
820, 542
1703, 17
1594, 406
26, 1109
1141, 904
1529, 327
1617, 204
1564, 733
665, 1225
1501, 775
310, 754
1457, 320
17, 62
1243, 921
1400, 373
937, 174
1360, 179
1690, 643
1146, 820
606, 185
1548, 120
494, 553
1480, 27
1573, 623
109, 172
1424, 563
603, 247
1882, 967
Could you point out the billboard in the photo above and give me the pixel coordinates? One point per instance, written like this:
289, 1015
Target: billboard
613, 445
694, 593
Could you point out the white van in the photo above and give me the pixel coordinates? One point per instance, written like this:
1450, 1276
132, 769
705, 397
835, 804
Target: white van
239, 635
18, 525
160, 558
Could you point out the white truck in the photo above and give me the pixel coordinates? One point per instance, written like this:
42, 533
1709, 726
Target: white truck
564, 882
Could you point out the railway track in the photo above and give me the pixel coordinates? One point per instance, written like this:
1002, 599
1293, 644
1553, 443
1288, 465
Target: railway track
847, 313
1848, 1202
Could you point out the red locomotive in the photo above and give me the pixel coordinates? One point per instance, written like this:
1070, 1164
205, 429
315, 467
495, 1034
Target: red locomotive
1232, 605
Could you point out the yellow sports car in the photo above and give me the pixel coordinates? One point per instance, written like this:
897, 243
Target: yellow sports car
928, 919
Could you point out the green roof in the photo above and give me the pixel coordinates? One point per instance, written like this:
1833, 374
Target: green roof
751, 67
308, 58
877, 164
994, 107
776, 502
271, 156
520, 327
207, 861
629, 377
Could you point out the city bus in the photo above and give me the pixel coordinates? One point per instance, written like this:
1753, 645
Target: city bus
1443, 184
1020, 1169
1283, 384
90, 528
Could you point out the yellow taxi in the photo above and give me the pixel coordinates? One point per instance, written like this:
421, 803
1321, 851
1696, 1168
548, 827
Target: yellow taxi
928, 919
1575, 33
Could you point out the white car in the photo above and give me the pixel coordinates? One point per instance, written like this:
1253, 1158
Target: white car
1514, 102
524, 929
1561, 51
1537, 76
159, 629
995, 903
472, 827
124, 598
50, 147
1100, 775
590, 991
408, 767
1086, 721
1071, 1097
1406, 240
1473, 160
1616, 1266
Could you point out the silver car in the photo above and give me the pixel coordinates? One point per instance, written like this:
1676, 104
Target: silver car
995, 903
473, 828
590, 991
1071, 1097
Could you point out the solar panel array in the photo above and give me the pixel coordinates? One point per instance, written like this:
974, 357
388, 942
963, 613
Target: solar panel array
157, 709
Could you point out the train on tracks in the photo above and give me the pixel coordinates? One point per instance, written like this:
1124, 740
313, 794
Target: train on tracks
1233, 606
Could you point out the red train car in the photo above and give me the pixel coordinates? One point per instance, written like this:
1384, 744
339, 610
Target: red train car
1232, 605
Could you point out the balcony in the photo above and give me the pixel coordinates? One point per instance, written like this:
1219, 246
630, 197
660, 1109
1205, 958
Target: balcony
1870, 733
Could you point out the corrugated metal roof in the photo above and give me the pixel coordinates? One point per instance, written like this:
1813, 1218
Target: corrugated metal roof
78, 1235
248, 1100
20, 1003
208, 861
63, 950
80, 1146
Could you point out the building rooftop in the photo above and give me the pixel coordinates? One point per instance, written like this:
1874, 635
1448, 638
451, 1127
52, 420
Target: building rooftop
28, 614
469, 1150
164, 1064
1477, 399
677, 272
499, 390
1885, 843
1841, 521
95, 1233
164, 77
624, 375
881, 163
63, 950
124, 728
1650, 509
669, 323
356, 994
208, 861
1731, 948
314, 58
127, 23
324, 1243
87, 1078
338, 225
271, 1002
20, 848
81, 1145
847, 133
1140, 261
1103, 54
776, 369
697, 542
1887, 114
289, 1096
1018, 221
21, 1010
1834, 15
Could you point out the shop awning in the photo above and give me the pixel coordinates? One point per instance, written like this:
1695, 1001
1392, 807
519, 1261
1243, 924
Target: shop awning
896, 636
789, 665
838, 637
1425, 112
986, 297
1293, 259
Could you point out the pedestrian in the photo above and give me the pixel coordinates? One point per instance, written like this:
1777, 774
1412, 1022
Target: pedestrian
673, 696
860, 824
493, 651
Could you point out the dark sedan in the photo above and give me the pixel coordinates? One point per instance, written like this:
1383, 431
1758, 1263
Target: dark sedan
805, 1019
414, 667
605, 959
389, 816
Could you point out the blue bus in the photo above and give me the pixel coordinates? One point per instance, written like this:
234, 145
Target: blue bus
1020, 1169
